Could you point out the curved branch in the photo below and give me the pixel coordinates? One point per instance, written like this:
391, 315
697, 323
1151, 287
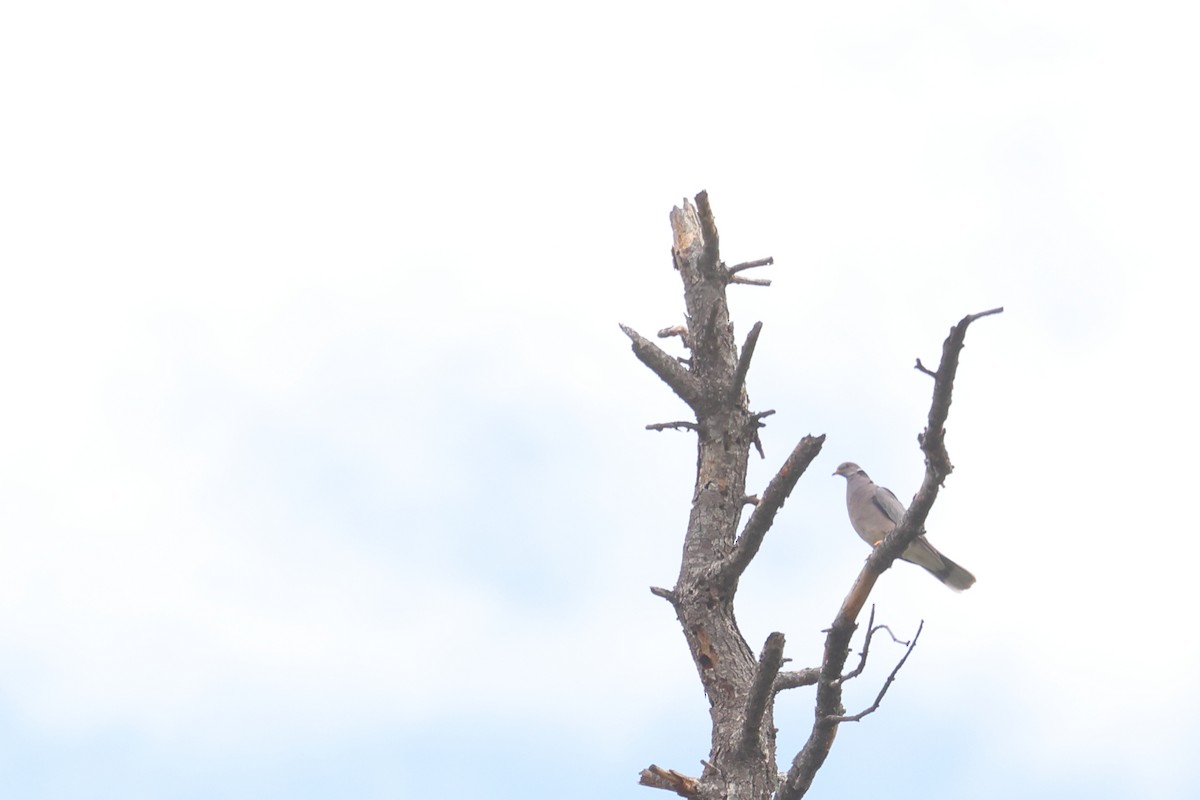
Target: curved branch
886, 684
862, 657
837, 641
937, 461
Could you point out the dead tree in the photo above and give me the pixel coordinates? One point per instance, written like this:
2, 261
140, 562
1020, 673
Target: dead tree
741, 688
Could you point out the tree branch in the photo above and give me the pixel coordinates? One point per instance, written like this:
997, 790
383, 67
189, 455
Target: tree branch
922, 368
793, 679
665, 594
741, 689
750, 281
743, 365
758, 262
837, 641
681, 425
676, 330
886, 684
656, 777
666, 367
763, 516
937, 461
761, 690
708, 229
862, 657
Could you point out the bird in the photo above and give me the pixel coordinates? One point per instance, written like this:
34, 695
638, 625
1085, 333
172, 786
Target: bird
875, 512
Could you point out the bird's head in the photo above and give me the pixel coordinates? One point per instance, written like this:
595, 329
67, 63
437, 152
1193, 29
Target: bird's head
848, 468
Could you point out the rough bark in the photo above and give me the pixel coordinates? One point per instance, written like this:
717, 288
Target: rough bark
741, 688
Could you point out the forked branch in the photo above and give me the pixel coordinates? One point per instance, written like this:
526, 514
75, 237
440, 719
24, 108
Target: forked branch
891, 677
745, 265
862, 657
829, 710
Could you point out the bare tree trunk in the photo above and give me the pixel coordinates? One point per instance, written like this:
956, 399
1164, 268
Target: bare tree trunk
741, 688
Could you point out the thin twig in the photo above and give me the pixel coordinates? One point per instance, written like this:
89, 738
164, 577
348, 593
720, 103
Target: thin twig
866, 646
895, 638
750, 281
988, 313
680, 425
758, 262
886, 684
862, 657
922, 368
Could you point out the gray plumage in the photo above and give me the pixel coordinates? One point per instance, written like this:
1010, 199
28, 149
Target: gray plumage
875, 511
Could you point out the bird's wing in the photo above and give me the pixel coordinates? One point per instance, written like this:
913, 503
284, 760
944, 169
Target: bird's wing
889, 504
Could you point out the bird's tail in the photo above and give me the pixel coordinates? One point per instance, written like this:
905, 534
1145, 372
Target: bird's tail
953, 575
923, 554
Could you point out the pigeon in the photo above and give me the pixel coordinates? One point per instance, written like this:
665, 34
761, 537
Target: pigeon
875, 511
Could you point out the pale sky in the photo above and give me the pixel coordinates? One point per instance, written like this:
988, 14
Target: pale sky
324, 466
